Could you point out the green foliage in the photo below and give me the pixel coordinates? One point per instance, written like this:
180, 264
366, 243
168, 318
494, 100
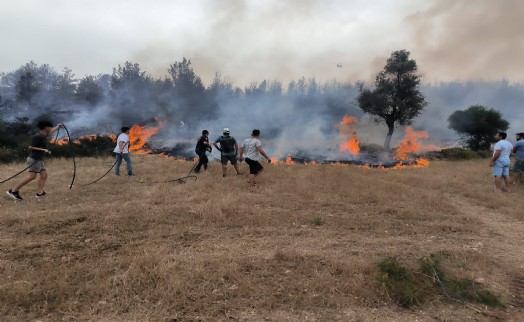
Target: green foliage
401, 284
7, 141
99, 145
20, 126
89, 91
408, 287
396, 99
459, 154
455, 154
317, 221
15, 138
478, 125
27, 87
7, 155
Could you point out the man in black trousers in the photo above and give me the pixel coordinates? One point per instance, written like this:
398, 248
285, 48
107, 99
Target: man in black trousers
201, 147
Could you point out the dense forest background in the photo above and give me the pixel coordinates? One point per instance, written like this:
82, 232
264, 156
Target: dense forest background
302, 113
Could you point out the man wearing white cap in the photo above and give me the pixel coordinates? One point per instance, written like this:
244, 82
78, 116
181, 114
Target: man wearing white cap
228, 150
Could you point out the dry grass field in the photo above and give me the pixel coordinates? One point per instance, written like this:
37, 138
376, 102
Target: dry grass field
302, 246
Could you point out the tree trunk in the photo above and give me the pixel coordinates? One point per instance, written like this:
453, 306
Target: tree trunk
391, 128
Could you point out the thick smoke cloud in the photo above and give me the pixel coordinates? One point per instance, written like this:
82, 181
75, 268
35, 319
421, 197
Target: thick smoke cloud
464, 40
249, 41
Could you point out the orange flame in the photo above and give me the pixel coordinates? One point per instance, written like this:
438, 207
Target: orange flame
410, 143
90, 137
345, 128
289, 161
140, 134
274, 159
59, 142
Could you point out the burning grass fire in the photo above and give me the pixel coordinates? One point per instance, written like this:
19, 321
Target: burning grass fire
352, 144
349, 149
139, 135
404, 156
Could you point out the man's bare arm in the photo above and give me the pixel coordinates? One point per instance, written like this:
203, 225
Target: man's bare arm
259, 148
241, 153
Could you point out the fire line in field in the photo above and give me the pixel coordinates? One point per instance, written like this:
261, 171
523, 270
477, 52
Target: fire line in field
139, 136
348, 132
350, 152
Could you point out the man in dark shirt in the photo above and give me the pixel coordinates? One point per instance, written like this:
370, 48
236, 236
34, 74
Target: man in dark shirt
201, 147
228, 151
35, 161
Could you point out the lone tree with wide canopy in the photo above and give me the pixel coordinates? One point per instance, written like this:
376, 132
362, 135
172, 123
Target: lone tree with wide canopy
477, 126
396, 98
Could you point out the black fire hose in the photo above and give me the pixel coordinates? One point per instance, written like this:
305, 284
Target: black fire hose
180, 180
105, 174
72, 155
18, 173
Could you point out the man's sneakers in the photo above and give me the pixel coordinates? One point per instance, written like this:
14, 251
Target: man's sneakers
14, 194
40, 195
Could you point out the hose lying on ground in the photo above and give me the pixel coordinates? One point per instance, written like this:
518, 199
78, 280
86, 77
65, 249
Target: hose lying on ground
180, 180
105, 174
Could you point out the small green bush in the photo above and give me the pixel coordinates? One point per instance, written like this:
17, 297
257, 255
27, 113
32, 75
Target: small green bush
7, 155
317, 221
459, 154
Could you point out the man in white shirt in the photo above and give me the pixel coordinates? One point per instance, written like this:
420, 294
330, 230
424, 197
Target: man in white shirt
500, 161
122, 152
252, 148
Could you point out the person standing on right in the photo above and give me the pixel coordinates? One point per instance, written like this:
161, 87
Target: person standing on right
252, 148
228, 151
518, 150
500, 161
122, 152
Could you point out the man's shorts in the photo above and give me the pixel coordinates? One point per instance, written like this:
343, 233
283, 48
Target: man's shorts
254, 166
36, 166
501, 168
225, 158
519, 165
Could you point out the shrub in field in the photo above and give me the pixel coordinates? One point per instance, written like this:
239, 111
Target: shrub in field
317, 221
90, 146
409, 287
401, 284
7, 141
7, 155
459, 154
84, 147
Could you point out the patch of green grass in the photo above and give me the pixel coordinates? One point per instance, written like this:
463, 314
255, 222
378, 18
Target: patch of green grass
409, 287
317, 221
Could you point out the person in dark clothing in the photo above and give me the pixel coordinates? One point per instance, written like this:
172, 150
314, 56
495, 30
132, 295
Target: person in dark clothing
35, 161
201, 147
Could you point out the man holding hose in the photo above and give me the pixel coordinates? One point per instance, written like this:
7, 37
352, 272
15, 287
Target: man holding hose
35, 161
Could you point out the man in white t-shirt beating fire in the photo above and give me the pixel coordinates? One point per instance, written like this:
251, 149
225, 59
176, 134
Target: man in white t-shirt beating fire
252, 149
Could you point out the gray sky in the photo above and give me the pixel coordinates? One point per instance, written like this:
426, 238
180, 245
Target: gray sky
251, 40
